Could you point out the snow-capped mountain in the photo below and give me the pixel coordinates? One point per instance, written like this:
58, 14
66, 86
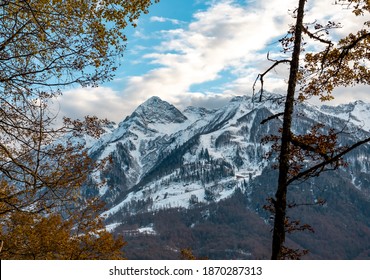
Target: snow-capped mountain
163, 158
158, 149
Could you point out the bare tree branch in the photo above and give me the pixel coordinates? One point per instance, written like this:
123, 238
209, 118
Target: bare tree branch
261, 76
328, 161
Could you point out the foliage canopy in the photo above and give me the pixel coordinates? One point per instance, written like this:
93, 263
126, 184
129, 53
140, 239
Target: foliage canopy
45, 46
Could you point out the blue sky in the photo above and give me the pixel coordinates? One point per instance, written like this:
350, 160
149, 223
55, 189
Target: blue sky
202, 53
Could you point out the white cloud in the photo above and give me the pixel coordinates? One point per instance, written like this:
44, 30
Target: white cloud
158, 19
101, 101
163, 19
140, 34
226, 37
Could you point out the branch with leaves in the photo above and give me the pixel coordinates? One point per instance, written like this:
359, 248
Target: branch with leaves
344, 63
41, 170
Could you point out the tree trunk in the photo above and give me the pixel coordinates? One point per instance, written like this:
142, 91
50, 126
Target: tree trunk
278, 238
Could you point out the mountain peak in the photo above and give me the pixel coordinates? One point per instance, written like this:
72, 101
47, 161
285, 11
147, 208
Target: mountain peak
156, 110
153, 101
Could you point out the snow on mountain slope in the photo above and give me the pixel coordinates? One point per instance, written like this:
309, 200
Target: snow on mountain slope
358, 113
162, 157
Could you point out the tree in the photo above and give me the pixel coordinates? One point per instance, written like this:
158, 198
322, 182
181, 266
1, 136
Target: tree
187, 254
46, 46
58, 42
43, 237
341, 63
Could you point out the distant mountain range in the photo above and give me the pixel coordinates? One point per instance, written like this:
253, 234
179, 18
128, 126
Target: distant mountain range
199, 178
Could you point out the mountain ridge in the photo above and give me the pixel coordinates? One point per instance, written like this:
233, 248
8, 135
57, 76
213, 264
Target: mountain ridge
201, 157
148, 144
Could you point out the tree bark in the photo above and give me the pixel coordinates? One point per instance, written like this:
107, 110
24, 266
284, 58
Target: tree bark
280, 203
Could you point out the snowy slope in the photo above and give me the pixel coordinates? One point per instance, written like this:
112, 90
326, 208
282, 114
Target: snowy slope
162, 157
357, 113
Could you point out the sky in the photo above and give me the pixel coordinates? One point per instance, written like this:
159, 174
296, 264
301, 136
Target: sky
202, 53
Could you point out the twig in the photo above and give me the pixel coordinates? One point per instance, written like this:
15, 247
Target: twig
261, 76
